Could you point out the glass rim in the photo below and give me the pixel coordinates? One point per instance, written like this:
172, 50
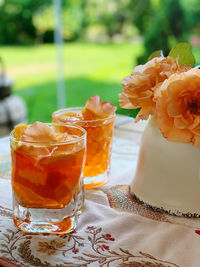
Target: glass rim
111, 116
79, 138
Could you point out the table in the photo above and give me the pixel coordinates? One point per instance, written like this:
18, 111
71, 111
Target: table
114, 229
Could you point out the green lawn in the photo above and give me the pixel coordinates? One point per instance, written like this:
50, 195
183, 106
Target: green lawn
89, 69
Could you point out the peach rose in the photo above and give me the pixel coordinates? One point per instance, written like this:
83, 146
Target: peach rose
178, 107
96, 109
138, 87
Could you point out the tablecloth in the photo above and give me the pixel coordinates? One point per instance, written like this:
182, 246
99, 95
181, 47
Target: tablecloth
113, 230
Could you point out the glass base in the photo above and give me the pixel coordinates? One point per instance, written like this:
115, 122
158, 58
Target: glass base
101, 179
52, 221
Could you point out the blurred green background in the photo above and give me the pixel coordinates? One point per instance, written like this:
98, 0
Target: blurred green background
103, 41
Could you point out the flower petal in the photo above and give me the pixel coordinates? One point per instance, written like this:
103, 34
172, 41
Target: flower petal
174, 109
124, 101
39, 132
143, 113
94, 108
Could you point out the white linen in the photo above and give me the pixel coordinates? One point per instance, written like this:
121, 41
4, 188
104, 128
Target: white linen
114, 230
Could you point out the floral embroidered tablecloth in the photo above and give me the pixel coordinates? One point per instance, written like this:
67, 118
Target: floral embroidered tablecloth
114, 229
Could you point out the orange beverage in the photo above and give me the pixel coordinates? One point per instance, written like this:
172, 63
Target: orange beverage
47, 176
99, 143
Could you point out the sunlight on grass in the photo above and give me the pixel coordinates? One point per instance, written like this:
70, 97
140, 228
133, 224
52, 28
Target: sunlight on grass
34, 65
89, 69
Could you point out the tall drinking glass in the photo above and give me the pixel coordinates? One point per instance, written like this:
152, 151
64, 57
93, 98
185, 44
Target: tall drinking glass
46, 181
99, 144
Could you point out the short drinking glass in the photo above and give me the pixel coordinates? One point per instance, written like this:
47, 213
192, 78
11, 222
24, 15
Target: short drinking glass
99, 144
46, 181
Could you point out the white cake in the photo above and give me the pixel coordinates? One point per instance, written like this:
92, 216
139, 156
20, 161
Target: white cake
168, 174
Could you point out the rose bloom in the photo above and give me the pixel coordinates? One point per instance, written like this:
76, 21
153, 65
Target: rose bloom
178, 107
138, 87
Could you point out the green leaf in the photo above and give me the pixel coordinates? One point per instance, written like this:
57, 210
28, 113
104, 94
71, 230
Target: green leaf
157, 53
183, 52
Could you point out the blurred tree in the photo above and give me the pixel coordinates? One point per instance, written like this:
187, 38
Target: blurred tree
74, 20
111, 14
120, 17
17, 20
43, 20
139, 13
114, 17
193, 13
166, 28
162, 22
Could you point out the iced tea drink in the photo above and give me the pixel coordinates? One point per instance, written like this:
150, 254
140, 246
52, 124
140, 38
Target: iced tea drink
47, 163
99, 142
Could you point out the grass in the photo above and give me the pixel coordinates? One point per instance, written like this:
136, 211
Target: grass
89, 69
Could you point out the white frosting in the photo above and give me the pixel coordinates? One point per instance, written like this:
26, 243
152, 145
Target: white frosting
168, 173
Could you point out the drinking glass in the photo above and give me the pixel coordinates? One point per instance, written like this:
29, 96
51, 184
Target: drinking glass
99, 144
47, 182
